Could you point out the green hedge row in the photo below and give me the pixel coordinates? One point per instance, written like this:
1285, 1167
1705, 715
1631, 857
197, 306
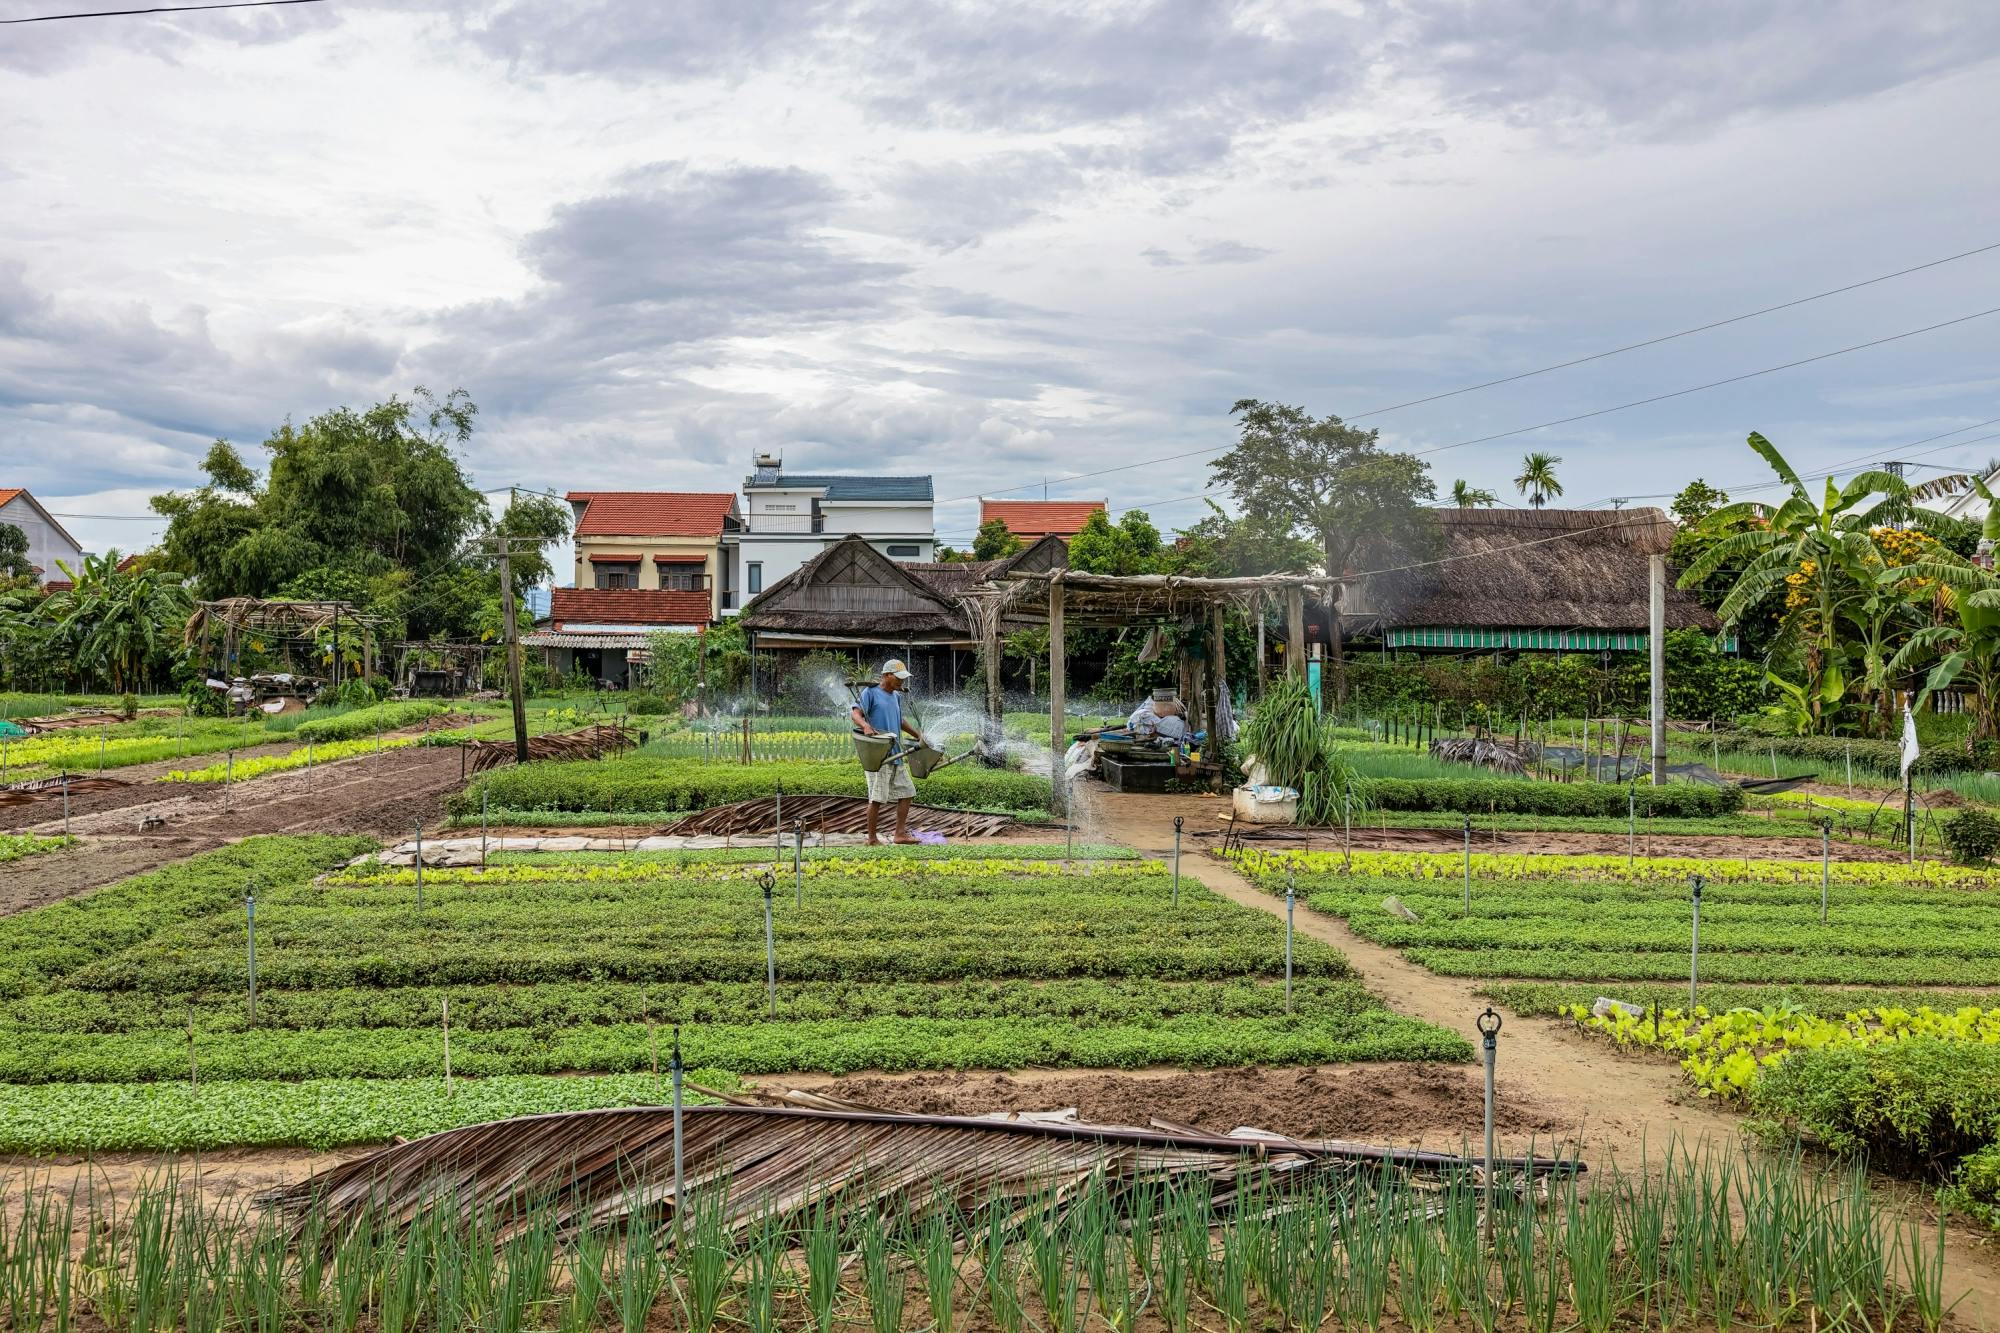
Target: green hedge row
1920, 1100
1882, 756
366, 721
640, 782
1478, 796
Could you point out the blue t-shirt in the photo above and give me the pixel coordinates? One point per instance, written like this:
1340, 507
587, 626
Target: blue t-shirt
883, 710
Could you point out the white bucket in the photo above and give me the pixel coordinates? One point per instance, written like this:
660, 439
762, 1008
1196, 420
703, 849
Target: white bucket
1265, 805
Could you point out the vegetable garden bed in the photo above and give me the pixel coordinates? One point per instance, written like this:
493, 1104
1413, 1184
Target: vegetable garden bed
556, 966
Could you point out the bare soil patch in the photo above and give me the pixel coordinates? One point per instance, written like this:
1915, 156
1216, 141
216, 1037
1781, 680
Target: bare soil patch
380, 795
1387, 1103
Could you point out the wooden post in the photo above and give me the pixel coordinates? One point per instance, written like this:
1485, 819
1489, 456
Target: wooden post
989, 649
1263, 673
1217, 683
1295, 631
1057, 674
1657, 649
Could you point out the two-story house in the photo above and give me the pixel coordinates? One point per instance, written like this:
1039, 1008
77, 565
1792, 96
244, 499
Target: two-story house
793, 516
48, 542
645, 561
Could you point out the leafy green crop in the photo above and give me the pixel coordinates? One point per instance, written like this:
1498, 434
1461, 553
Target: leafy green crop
318, 1113
14, 846
367, 721
642, 783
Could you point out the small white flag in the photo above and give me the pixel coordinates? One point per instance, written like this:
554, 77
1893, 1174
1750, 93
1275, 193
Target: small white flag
1910, 750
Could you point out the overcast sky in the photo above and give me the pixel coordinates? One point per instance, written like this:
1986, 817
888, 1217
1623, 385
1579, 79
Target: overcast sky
1002, 244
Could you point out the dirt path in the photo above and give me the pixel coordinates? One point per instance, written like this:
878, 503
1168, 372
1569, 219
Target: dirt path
1624, 1108
384, 795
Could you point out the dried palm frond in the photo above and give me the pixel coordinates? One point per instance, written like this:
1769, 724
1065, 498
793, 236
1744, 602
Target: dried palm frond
1485, 752
599, 1168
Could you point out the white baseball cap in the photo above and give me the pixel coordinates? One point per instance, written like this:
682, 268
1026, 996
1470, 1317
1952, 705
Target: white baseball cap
894, 667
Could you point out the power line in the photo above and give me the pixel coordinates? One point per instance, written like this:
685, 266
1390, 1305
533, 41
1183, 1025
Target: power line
1712, 384
157, 9
1544, 370
1669, 337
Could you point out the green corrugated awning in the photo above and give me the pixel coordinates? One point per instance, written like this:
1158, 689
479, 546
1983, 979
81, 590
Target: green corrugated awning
1547, 640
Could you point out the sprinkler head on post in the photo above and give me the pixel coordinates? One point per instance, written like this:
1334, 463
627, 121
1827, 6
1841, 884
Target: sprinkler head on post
1488, 1024
1178, 821
767, 883
1694, 882
675, 1060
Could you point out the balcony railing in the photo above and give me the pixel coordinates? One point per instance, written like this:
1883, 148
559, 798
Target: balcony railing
784, 523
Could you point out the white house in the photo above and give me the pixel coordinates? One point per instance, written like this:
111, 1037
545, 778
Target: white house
47, 541
793, 516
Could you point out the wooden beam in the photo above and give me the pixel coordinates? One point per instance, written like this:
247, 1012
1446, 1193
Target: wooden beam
1295, 632
1263, 671
1057, 718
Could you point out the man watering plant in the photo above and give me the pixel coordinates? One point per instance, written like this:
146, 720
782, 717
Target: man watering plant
880, 713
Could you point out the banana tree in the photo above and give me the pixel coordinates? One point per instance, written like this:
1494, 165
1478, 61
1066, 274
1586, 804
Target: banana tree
1970, 642
1824, 550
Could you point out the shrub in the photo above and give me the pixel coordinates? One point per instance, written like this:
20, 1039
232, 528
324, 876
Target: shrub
646, 705
1971, 836
1975, 1189
1479, 796
128, 706
1920, 1099
642, 782
361, 722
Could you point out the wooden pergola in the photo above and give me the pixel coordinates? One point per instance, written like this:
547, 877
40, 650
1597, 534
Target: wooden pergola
1038, 586
232, 617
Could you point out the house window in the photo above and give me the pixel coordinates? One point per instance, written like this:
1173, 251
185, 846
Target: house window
755, 575
902, 552
617, 576
781, 509
682, 578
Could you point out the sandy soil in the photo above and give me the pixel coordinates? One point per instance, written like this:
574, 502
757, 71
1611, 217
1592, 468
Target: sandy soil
1403, 1104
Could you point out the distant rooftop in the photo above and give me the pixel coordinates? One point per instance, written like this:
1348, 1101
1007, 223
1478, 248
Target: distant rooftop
840, 486
1040, 518
652, 513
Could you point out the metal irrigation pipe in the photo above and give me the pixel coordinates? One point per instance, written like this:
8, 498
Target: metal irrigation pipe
798, 860
1468, 865
767, 882
1178, 820
1825, 858
1488, 1024
250, 921
1291, 899
680, 1180
1694, 943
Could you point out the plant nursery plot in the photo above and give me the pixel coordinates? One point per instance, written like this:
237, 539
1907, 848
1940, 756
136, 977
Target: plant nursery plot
1877, 932
553, 968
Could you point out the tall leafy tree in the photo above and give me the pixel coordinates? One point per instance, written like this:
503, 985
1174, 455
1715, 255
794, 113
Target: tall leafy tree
368, 491
14, 552
995, 541
1330, 483
1467, 496
1538, 478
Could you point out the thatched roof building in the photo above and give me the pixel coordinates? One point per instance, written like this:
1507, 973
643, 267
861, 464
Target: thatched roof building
851, 595
1565, 579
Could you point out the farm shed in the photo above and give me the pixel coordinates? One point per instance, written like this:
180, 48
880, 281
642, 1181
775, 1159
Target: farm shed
1550, 580
852, 598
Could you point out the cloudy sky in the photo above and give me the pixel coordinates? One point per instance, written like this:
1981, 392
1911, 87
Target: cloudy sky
1008, 245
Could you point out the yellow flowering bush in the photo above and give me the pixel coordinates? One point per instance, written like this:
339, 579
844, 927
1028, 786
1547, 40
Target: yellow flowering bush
278, 763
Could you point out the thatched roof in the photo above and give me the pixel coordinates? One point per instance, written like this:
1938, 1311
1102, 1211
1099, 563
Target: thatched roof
1554, 569
853, 590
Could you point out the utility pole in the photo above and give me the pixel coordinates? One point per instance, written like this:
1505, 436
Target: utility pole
513, 636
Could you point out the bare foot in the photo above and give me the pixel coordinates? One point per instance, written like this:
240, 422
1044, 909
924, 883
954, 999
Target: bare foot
872, 842
906, 841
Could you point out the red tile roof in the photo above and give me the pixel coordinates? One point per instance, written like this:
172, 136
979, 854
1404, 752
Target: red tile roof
627, 606
1039, 518
7, 494
652, 513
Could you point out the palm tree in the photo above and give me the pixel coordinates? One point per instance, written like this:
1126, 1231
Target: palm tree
1467, 496
1538, 478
